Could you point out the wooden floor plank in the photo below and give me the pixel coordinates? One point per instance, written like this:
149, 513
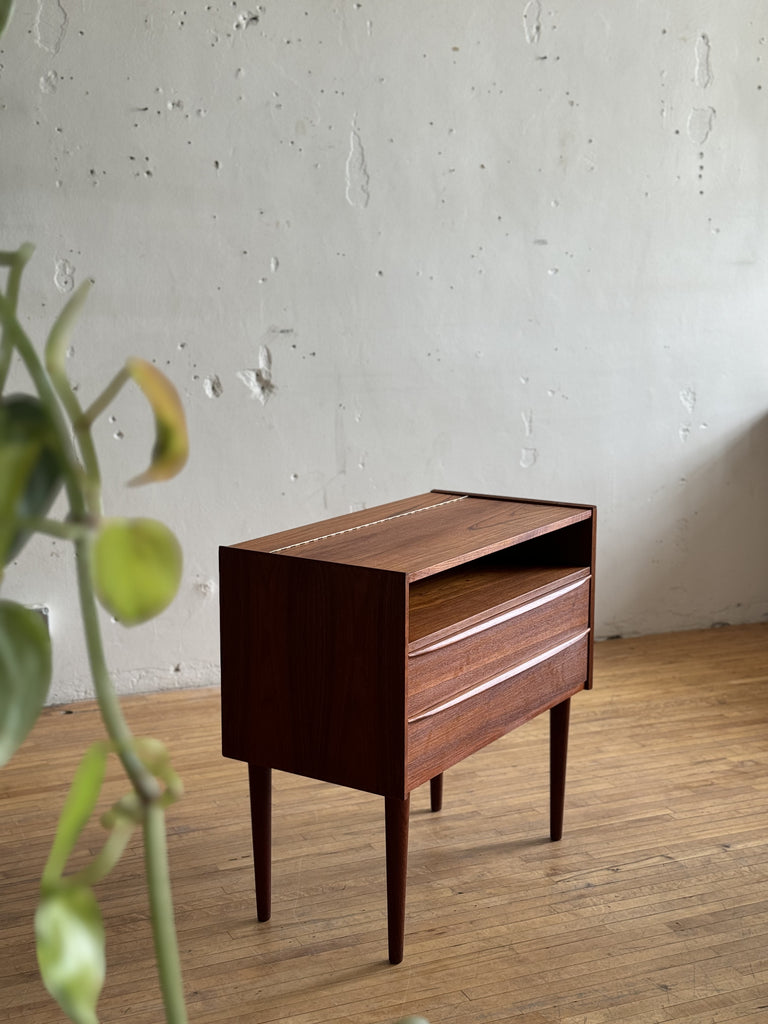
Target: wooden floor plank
652, 910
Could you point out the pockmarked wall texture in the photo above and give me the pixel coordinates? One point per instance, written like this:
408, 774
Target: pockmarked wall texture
384, 246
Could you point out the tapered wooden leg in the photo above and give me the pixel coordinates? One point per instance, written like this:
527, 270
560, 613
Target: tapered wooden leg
260, 780
559, 717
396, 814
436, 792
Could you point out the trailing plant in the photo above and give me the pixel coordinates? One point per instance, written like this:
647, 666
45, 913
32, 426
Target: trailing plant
132, 567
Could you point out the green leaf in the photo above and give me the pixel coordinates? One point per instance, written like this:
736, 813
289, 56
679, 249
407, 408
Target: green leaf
70, 950
6, 9
17, 460
136, 568
78, 808
25, 673
77, 812
171, 448
30, 468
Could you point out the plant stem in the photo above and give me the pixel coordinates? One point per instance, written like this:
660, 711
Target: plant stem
16, 261
83, 493
146, 785
14, 334
105, 860
161, 910
143, 780
55, 364
82, 423
55, 528
107, 396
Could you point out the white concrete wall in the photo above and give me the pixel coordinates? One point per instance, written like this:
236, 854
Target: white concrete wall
387, 245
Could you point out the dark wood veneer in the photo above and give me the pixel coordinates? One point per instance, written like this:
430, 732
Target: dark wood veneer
377, 649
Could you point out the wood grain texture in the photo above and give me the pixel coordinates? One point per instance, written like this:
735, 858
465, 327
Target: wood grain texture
439, 674
307, 533
315, 635
473, 594
436, 535
439, 740
313, 668
651, 910
320, 676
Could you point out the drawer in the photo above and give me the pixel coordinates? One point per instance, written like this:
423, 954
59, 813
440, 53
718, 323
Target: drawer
444, 735
460, 662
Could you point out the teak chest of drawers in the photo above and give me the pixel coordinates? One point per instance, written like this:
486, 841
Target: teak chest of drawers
377, 649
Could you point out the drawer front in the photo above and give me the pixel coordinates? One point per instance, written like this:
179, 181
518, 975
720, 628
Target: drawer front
445, 735
469, 658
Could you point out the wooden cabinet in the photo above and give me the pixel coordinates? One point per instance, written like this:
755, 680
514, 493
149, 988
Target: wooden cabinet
377, 649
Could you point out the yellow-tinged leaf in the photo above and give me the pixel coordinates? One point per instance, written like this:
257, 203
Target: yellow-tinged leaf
70, 950
171, 448
137, 567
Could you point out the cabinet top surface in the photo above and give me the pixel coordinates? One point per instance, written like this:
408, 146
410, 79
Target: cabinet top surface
423, 534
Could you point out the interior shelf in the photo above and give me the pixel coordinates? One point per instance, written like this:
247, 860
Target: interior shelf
470, 594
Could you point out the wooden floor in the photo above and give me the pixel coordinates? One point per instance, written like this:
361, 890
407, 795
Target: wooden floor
654, 907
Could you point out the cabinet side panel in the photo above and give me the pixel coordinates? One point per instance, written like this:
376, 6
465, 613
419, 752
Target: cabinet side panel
593, 554
313, 668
